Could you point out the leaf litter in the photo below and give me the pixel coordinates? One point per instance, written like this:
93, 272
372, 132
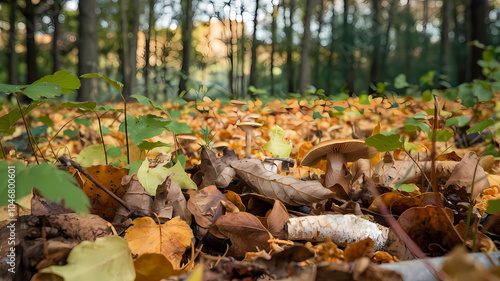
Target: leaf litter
239, 219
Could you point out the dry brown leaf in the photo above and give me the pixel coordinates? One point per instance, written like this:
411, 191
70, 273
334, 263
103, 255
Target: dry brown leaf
246, 232
206, 207
465, 172
90, 227
170, 239
271, 212
363, 248
137, 198
169, 201
283, 264
154, 267
102, 204
288, 190
210, 166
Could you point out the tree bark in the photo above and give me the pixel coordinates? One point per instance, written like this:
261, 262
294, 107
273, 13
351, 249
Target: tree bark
385, 47
290, 68
331, 59
305, 59
148, 37
56, 54
87, 48
12, 54
253, 65
317, 57
376, 45
445, 39
348, 47
187, 38
31, 48
243, 52
476, 30
273, 46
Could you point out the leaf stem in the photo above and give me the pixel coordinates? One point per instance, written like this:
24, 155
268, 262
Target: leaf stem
434, 180
28, 131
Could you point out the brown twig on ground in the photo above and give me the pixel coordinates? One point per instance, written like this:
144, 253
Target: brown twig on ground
68, 162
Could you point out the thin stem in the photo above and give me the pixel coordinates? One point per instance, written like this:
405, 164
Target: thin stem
418, 166
126, 126
3, 152
471, 205
27, 127
434, 180
102, 138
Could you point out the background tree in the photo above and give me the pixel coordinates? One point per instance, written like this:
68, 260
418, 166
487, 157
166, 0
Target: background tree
187, 38
305, 60
87, 48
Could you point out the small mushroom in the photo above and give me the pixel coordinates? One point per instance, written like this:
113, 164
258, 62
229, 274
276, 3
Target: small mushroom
248, 128
337, 153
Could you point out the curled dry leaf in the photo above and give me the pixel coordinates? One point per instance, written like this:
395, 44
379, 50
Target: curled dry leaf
363, 248
225, 177
89, 227
246, 232
206, 207
154, 267
288, 190
169, 201
283, 264
271, 212
431, 225
137, 198
170, 239
464, 174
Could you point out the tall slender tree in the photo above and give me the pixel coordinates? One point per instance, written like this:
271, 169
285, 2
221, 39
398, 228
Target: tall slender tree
317, 58
148, 38
253, 50
290, 66
376, 28
476, 31
348, 46
445, 38
87, 48
305, 59
273, 46
30, 13
187, 39
12, 54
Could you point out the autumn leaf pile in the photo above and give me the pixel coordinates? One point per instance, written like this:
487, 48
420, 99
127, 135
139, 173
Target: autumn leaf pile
194, 206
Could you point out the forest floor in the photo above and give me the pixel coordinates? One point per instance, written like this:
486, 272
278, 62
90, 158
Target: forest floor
201, 206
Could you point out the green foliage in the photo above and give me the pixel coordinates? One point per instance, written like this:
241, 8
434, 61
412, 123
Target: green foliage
144, 127
207, 137
400, 81
442, 135
68, 81
413, 124
8, 120
277, 144
61, 82
147, 145
53, 184
459, 121
481, 126
117, 85
385, 142
493, 206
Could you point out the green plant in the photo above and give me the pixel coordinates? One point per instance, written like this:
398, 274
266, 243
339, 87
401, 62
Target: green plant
207, 138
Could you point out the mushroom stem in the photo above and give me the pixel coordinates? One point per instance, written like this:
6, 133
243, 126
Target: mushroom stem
336, 171
248, 143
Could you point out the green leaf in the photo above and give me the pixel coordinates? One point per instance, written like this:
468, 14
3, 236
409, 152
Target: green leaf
118, 86
53, 184
459, 121
144, 127
133, 167
479, 127
400, 81
489, 55
340, 97
45, 119
114, 152
413, 124
146, 101
71, 132
68, 81
277, 144
427, 96
107, 258
10, 89
364, 99
83, 106
84, 122
482, 90
146, 145
428, 78
408, 187
442, 135
150, 178
104, 108
420, 115
8, 120
42, 90
339, 108
493, 206
410, 147
93, 155
179, 128
381, 87
385, 142
181, 158
317, 115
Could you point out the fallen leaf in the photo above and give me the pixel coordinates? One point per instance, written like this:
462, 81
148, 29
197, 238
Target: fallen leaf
288, 190
154, 267
206, 207
467, 171
170, 239
107, 258
137, 198
169, 201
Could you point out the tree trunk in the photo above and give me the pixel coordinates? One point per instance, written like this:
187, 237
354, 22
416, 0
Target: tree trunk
253, 65
147, 55
56, 54
476, 23
87, 49
290, 68
187, 38
385, 46
376, 45
125, 65
317, 57
273, 46
305, 60
348, 48
130, 88
31, 48
230, 54
243, 51
12, 54
331, 59
445, 39
408, 46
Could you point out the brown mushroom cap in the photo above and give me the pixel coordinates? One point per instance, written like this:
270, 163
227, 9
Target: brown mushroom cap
248, 126
351, 148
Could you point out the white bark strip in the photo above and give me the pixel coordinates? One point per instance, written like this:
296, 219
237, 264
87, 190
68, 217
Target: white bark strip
342, 229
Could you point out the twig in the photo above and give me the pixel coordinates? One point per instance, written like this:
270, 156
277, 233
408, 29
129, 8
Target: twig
434, 180
27, 128
68, 162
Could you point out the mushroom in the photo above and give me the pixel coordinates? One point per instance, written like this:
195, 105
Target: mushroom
248, 127
337, 153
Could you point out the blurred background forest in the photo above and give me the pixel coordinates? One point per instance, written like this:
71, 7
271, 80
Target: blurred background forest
233, 48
